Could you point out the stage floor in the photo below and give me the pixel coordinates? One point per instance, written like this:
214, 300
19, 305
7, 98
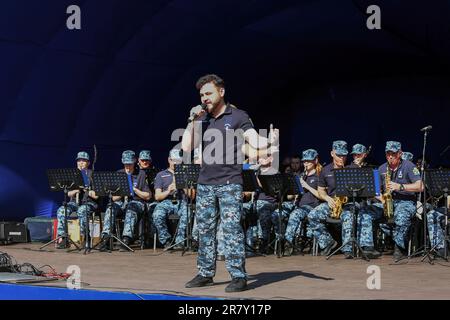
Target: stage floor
295, 277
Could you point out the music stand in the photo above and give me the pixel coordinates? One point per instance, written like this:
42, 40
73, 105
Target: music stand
250, 184
64, 180
438, 183
186, 176
279, 185
111, 183
355, 183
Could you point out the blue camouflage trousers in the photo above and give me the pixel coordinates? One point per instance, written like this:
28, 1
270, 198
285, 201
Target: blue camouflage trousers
317, 219
286, 208
82, 212
264, 210
229, 198
404, 210
296, 218
162, 211
219, 236
133, 211
435, 229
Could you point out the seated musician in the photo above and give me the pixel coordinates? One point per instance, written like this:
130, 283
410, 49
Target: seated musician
133, 206
265, 205
308, 201
404, 182
170, 201
82, 202
326, 190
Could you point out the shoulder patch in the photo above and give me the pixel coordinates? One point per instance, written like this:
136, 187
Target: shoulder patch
416, 171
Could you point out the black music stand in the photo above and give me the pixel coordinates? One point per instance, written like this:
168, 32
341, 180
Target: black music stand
250, 184
111, 184
64, 180
438, 183
279, 185
355, 183
186, 176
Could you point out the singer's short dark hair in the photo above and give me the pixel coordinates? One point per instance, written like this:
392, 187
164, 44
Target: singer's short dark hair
218, 81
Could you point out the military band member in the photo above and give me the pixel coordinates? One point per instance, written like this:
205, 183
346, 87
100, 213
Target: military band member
309, 200
133, 205
170, 201
265, 205
326, 191
366, 216
84, 206
405, 182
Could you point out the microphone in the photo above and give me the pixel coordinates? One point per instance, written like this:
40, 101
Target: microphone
196, 110
427, 128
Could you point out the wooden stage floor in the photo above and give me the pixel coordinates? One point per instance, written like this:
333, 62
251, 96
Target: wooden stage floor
295, 277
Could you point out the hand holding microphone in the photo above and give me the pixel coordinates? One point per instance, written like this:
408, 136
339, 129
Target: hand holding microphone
197, 111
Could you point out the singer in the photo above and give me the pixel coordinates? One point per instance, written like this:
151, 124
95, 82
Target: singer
220, 181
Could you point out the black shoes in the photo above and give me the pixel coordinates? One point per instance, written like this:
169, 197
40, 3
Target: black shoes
329, 249
288, 249
126, 240
398, 253
199, 281
237, 285
371, 253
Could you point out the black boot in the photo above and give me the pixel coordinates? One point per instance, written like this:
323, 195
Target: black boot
200, 281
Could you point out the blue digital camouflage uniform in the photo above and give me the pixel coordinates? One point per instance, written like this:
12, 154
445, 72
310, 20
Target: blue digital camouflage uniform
162, 211
220, 186
307, 202
435, 220
83, 210
134, 207
404, 202
318, 216
230, 202
261, 230
286, 208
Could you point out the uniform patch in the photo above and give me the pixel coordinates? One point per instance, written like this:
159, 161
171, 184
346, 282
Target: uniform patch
416, 172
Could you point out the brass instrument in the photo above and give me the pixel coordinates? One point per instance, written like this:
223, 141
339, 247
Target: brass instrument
337, 210
388, 203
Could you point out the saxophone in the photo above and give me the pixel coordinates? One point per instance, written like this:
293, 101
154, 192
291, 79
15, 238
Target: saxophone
388, 204
337, 210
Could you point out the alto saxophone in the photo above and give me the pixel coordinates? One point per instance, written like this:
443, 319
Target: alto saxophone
337, 210
388, 204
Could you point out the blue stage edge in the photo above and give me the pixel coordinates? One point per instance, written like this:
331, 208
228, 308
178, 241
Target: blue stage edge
24, 292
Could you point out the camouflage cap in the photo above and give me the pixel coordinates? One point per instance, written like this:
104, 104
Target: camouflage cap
340, 147
128, 157
175, 154
393, 146
407, 156
83, 155
309, 155
358, 149
145, 155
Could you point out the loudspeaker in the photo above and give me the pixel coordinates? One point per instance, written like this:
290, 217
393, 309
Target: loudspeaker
13, 232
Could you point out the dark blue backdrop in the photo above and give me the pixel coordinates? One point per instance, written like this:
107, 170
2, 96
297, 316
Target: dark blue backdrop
126, 79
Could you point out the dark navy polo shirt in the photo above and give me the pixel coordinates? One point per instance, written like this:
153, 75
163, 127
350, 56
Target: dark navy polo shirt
139, 181
406, 173
308, 198
163, 180
326, 179
229, 170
